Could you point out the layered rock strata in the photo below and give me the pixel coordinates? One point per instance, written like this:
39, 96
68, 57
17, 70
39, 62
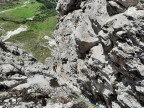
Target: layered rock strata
99, 57
27, 83
100, 50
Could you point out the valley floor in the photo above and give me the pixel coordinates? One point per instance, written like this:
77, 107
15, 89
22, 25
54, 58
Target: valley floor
26, 23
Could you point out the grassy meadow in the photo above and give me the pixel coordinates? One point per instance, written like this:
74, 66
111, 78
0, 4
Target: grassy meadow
43, 23
11, 5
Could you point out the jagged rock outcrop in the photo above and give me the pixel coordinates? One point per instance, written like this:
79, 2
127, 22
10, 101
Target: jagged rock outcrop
100, 50
27, 83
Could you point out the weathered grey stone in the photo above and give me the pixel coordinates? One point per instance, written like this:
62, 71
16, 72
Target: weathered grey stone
99, 57
108, 50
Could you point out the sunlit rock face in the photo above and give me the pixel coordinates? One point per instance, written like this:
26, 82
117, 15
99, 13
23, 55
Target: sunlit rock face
27, 83
100, 50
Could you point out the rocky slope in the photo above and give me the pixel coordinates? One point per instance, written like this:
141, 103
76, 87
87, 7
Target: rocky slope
26, 83
100, 50
99, 58
16, 66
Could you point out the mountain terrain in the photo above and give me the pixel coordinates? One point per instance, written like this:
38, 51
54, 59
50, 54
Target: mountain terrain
98, 51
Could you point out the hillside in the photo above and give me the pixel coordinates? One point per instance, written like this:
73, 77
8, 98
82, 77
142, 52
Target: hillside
94, 53
27, 23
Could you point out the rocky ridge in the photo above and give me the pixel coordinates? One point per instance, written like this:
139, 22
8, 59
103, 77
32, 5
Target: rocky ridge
27, 83
100, 45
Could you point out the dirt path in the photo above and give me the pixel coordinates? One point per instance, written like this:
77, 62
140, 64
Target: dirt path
25, 3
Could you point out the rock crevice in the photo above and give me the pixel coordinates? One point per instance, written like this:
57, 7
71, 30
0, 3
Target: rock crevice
104, 50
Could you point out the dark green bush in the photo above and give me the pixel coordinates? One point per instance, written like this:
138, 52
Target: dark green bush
48, 3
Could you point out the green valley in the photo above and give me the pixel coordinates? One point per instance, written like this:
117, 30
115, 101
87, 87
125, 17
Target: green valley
27, 22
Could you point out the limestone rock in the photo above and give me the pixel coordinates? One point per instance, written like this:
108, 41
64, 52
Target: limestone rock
25, 82
100, 46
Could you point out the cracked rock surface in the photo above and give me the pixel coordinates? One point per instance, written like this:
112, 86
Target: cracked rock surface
99, 57
100, 50
27, 83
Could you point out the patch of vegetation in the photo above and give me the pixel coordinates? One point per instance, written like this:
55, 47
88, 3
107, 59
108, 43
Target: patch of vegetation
23, 13
9, 26
46, 27
33, 42
34, 38
28, 11
44, 14
43, 24
11, 4
1, 21
48, 3
0, 32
